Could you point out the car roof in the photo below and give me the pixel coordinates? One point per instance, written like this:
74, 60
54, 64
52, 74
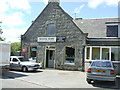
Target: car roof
101, 61
16, 56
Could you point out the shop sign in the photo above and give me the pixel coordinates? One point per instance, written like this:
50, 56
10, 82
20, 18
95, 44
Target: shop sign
46, 39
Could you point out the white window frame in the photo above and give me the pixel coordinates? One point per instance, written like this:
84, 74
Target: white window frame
101, 47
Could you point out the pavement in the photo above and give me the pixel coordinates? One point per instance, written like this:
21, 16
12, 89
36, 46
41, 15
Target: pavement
49, 78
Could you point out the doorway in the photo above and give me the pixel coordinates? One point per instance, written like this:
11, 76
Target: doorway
50, 58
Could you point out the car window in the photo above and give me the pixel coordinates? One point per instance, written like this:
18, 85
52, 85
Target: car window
101, 64
106, 64
23, 59
15, 60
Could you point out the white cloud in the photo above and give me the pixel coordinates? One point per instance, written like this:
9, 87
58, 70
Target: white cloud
3, 6
13, 34
12, 20
112, 2
11, 15
6, 5
77, 10
19, 4
96, 3
45, 1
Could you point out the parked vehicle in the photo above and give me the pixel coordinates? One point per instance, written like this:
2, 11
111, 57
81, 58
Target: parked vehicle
4, 56
20, 63
101, 71
33, 59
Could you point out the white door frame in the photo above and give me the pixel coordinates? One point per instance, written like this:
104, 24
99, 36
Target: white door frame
49, 48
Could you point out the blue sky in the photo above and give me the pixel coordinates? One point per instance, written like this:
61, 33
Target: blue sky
17, 15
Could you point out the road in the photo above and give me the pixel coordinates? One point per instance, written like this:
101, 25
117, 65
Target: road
51, 79
14, 83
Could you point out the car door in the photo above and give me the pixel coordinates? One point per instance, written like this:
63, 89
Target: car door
14, 63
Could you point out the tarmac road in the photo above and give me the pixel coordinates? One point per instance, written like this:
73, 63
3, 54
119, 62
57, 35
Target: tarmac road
52, 79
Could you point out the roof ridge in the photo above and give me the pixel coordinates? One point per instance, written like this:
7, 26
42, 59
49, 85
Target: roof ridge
97, 18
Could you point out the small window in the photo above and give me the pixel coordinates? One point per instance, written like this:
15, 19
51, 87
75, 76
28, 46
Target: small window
51, 29
112, 31
15, 60
70, 55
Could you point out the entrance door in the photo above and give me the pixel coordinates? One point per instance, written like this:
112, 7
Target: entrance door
50, 58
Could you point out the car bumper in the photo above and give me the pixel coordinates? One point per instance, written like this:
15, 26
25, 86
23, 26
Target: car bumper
32, 68
101, 78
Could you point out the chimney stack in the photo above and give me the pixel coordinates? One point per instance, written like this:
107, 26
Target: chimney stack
54, 1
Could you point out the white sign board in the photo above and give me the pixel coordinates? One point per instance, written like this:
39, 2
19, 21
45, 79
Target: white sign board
46, 39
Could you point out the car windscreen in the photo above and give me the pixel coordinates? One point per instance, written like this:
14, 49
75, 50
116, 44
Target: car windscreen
101, 64
23, 59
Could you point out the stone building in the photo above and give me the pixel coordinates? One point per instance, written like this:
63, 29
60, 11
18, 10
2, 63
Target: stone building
61, 42
55, 39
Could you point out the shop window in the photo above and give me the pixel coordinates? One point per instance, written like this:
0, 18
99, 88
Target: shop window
95, 53
105, 53
112, 31
51, 29
88, 53
115, 54
70, 55
33, 51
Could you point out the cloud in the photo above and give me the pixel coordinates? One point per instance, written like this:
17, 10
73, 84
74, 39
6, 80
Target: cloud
96, 3
45, 1
12, 20
19, 4
6, 5
3, 6
13, 34
77, 10
12, 16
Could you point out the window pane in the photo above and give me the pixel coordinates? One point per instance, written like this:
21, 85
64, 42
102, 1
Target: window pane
105, 53
33, 51
115, 54
95, 53
112, 31
88, 53
15, 60
70, 55
51, 29
101, 64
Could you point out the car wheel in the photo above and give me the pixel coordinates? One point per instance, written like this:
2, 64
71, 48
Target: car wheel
89, 81
24, 69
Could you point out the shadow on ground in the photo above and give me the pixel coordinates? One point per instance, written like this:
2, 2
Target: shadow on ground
15, 74
107, 85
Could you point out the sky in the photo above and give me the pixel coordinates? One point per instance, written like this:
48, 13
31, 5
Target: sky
17, 15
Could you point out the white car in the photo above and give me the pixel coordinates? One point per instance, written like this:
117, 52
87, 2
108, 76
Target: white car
20, 63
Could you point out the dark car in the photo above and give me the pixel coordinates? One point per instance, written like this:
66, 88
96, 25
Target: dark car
101, 71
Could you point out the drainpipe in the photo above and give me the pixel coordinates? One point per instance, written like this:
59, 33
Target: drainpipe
83, 61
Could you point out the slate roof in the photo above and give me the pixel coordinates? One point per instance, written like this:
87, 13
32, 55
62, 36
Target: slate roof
96, 28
